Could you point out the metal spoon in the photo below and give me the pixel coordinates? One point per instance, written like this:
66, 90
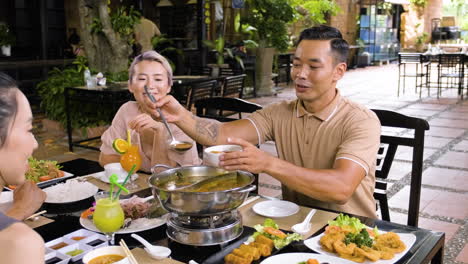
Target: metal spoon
206, 181
304, 227
175, 144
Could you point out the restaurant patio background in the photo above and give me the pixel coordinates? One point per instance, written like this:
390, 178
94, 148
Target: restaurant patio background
444, 196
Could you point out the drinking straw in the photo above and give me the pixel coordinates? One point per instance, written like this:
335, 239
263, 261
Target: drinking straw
126, 179
129, 138
113, 181
111, 188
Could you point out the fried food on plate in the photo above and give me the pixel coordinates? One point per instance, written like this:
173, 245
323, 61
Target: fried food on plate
353, 241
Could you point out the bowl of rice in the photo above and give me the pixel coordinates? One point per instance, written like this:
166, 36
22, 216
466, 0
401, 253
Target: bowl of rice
70, 191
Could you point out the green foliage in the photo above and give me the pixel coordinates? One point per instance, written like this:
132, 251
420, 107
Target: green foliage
166, 47
6, 37
122, 22
96, 26
221, 51
314, 12
81, 63
270, 18
419, 3
422, 38
52, 92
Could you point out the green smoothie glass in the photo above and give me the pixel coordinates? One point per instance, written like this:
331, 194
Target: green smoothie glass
108, 215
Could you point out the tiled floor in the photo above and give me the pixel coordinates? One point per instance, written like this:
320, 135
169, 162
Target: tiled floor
444, 199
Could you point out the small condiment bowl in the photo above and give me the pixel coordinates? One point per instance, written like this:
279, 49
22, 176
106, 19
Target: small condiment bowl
211, 155
115, 168
109, 250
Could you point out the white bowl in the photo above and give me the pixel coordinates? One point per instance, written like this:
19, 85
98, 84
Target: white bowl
211, 155
115, 168
6, 200
114, 250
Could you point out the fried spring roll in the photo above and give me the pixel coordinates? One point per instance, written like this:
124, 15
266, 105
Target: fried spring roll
251, 250
242, 254
265, 240
264, 249
233, 259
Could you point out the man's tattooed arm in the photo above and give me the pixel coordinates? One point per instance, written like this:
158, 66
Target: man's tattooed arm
206, 131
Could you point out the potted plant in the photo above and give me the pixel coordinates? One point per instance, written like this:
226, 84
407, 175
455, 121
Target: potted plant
420, 41
6, 39
52, 91
270, 19
167, 48
218, 46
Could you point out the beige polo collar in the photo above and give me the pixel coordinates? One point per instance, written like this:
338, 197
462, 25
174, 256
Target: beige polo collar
324, 114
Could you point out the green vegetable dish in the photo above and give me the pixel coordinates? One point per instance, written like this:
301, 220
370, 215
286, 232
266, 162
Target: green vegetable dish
271, 230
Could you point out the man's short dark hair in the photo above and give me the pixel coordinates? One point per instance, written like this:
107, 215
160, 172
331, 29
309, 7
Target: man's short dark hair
339, 46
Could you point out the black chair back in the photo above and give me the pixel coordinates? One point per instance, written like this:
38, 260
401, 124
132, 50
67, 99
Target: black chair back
233, 86
451, 69
386, 155
200, 90
200, 70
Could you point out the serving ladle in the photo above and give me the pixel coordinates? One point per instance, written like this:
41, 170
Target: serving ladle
206, 181
177, 145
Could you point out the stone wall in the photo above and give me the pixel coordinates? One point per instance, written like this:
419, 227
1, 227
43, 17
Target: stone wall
433, 10
345, 20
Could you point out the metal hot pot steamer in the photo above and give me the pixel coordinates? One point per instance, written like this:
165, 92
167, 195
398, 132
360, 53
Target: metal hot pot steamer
197, 216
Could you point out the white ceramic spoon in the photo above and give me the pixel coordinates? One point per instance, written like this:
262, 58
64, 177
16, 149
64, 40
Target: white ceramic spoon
156, 252
304, 227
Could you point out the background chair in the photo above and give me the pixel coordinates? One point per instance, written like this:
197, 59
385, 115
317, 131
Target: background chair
200, 90
417, 68
451, 68
284, 68
233, 86
200, 70
386, 154
212, 107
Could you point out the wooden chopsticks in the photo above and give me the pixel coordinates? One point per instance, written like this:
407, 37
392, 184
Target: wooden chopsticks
129, 254
31, 217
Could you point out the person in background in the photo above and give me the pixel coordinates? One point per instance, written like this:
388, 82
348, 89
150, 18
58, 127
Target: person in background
327, 144
144, 31
18, 243
153, 70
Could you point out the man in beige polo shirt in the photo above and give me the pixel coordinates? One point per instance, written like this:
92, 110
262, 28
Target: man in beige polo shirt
327, 145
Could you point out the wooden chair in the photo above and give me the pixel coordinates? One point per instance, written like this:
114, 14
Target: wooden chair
200, 90
200, 70
386, 155
213, 108
233, 86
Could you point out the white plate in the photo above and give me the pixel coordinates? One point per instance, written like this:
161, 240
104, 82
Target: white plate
276, 208
299, 257
408, 238
80, 190
50, 182
133, 228
102, 177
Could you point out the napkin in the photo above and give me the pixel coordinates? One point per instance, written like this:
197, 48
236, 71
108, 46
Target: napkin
143, 258
39, 222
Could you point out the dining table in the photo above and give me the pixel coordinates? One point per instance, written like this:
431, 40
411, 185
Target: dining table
428, 246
